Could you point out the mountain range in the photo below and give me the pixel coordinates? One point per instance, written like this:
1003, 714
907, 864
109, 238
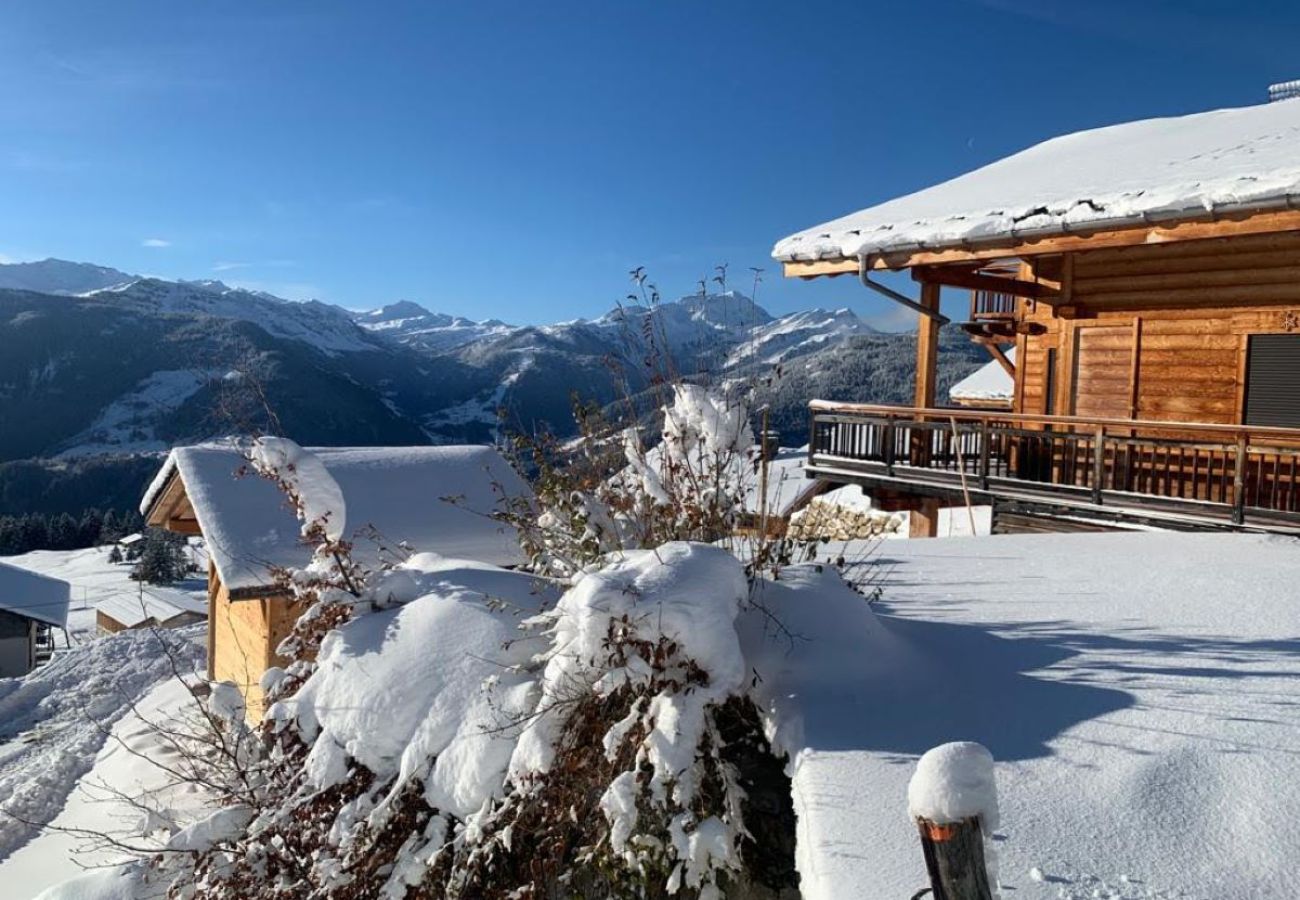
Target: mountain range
98, 362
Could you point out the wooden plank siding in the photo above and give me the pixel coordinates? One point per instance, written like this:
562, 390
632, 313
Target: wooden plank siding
1160, 332
242, 637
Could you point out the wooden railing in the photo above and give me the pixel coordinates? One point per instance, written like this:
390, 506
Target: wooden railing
1236, 473
991, 305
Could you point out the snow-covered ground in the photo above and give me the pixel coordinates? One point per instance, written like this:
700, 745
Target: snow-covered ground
1140, 693
123, 765
54, 722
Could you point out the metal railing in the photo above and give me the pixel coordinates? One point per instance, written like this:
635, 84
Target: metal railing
1218, 471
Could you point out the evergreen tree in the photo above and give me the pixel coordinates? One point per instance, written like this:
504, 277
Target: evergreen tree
162, 559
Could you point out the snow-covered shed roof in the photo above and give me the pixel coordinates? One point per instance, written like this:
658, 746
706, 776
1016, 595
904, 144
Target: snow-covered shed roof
1165, 169
399, 492
33, 596
988, 382
132, 608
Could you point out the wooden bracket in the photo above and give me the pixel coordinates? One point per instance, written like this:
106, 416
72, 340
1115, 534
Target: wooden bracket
1000, 357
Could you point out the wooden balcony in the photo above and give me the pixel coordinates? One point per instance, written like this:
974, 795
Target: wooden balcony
1175, 474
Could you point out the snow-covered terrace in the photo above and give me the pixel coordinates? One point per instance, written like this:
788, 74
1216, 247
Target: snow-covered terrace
1143, 713
1136, 173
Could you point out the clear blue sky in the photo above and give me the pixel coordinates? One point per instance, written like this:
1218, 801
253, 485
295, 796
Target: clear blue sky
516, 159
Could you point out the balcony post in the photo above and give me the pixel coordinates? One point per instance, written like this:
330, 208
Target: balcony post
889, 445
927, 347
1239, 483
985, 437
1098, 463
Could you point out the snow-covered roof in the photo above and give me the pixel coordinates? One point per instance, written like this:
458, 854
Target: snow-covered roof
33, 596
1154, 170
131, 539
988, 382
160, 604
398, 491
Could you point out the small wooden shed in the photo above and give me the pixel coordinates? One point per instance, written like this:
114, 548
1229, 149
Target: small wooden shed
30, 604
150, 607
427, 499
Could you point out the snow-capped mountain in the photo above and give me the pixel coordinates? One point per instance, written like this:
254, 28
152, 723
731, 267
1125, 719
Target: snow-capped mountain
322, 325
98, 361
412, 324
777, 340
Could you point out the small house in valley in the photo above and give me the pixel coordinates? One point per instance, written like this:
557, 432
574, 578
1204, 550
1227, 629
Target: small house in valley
149, 607
398, 500
1137, 288
30, 606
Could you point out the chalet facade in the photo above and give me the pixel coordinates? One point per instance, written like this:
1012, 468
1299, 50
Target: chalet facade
1139, 285
30, 606
397, 501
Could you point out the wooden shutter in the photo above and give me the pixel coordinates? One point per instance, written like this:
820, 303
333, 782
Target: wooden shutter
1103, 372
1273, 380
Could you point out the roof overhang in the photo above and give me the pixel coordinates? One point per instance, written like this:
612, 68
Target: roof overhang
1187, 227
169, 508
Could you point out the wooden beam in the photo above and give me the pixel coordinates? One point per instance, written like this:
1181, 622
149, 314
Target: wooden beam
183, 526
927, 347
954, 277
1001, 358
923, 520
1230, 225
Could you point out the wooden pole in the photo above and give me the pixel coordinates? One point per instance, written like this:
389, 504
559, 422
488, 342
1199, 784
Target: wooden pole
927, 347
954, 857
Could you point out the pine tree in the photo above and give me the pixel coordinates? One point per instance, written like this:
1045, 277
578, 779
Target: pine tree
162, 559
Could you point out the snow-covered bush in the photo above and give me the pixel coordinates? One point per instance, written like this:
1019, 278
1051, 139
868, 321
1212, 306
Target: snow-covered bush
634, 774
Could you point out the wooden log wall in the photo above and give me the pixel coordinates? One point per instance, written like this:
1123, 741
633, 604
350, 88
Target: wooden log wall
1159, 331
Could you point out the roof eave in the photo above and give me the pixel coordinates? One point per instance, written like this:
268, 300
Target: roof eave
1159, 226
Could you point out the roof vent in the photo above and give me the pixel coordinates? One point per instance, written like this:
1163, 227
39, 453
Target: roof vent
1284, 90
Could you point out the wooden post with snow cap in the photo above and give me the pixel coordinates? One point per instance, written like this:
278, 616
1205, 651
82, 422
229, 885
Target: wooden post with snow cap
953, 799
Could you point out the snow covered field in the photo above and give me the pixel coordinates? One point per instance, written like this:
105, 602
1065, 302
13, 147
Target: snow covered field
1140, 693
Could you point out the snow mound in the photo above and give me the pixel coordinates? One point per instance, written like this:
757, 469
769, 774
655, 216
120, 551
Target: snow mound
398, 688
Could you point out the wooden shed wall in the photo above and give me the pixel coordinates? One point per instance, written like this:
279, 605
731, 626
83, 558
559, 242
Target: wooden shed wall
1175, 322
242, 637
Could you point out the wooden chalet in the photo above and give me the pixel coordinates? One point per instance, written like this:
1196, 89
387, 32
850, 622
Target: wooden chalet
397, 502
1147, 277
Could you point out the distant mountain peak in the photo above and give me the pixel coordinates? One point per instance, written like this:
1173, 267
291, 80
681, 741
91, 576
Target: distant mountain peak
60, 276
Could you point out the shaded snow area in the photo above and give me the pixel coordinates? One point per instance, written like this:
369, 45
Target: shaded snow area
54, 721
1138, 691
1132, 173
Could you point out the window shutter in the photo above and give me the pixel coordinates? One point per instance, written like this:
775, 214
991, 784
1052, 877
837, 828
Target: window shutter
1273, 380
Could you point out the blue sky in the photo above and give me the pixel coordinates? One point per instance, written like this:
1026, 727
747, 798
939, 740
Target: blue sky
515, 160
